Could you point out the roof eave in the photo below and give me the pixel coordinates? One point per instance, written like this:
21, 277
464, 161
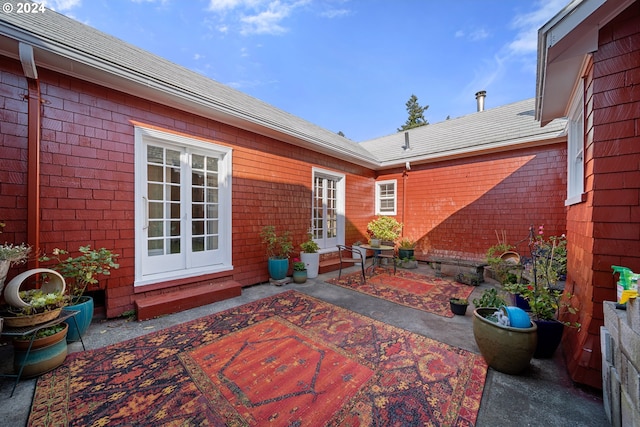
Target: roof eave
564, 44
76, 64
500, 147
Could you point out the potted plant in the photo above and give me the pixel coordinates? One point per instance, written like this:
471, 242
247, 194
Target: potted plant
299, 271
504, 348
500, 261
81, 272
278, 249
458, 306
546, 301
41, 353
489, 298
310, 256
384, 228
35, 306
406, 248
410, 262
540, 294
11, 255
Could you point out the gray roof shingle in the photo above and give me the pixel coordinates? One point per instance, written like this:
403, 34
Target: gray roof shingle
493, 129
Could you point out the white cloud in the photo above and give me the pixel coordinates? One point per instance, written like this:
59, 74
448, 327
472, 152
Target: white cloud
519, 52
266, 22
222, 5
61, 5
473, 35
197, 56
527, 25
335, 13
479, 34
254, 16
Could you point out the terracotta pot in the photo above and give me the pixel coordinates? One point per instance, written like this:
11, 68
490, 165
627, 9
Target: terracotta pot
33, 319
504, 348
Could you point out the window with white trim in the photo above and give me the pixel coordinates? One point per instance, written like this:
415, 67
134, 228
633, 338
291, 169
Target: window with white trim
183, 206
386, 197
327, 216
575, 151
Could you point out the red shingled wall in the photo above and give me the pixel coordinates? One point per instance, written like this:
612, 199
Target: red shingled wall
87, 177
454, 208
605, 229
13, 153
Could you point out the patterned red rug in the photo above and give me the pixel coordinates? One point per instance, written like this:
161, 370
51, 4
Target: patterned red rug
415, 290
285, 360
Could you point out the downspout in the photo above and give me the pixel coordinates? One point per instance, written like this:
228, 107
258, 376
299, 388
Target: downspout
33, 148
405, 176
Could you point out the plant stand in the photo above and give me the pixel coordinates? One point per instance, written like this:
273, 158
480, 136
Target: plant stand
31, 331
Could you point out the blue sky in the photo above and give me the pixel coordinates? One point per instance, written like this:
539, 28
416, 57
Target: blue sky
346, 65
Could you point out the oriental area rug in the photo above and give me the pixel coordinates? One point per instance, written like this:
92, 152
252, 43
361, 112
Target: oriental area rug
286, 360
415, 290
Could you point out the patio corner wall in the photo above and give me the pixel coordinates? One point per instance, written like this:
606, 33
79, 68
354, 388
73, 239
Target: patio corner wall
455, 208
604, 229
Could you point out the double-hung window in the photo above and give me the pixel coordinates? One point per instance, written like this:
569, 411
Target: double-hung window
386, 197
183, 207
575, 151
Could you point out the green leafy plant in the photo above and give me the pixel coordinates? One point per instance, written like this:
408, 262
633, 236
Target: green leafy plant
278, 246
460, 301
546, 303
298, 265
45, 332
501, 269
309, 247
15, 254
38, 302
489, 298
548, 263
384, 228
82, 270
550, 257
407, 243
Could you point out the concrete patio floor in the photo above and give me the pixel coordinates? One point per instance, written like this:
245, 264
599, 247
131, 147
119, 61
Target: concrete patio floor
542, 396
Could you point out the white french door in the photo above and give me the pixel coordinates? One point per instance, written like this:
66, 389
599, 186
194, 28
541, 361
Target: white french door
185, 221
328, 209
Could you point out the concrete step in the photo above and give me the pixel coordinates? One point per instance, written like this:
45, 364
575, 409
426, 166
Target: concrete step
148, 307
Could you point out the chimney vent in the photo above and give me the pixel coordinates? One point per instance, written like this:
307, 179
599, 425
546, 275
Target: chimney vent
406, 141
480, 99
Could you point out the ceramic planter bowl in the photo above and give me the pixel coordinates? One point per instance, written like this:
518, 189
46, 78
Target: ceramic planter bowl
55, 283
504, 348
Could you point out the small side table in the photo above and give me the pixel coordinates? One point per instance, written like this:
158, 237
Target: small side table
32, 330
376, 255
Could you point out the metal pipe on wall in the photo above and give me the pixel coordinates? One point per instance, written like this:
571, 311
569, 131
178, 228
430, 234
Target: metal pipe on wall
34, 114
